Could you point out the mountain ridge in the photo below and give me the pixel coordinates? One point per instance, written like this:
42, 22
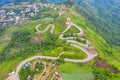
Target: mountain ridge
104, 16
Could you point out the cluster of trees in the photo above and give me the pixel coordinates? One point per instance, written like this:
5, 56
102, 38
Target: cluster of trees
21, 41
20, 38
25, 72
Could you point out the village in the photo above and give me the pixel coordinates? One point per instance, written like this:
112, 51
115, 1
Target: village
16, 15
42, 71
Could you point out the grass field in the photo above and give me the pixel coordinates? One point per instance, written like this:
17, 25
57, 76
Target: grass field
8, 66
72, 30
71, 71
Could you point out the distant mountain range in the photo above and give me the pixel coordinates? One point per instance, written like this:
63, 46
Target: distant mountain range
56, 1
50, 1
61, 1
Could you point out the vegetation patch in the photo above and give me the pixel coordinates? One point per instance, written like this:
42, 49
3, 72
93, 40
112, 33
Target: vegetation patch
26, 71
103, 64
72, 30
76, 71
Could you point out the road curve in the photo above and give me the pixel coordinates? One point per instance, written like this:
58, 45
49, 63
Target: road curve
32, 58
89, 58
49, 26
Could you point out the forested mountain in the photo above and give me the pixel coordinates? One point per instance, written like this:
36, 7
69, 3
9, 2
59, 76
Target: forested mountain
50, 1
105, 15
55, 1
15, 1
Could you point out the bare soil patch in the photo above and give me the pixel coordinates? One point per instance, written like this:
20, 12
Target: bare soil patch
103, 64
36, 40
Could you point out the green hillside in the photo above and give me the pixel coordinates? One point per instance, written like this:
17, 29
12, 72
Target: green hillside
18, 45
21, 42
104, 15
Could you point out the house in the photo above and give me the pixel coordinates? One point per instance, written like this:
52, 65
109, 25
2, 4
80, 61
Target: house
2, 15
11, 13
60, 78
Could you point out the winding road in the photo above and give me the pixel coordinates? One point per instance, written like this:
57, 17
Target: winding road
74, 43
49, 26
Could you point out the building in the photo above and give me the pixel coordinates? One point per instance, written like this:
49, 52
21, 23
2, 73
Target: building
60, 78
2, 15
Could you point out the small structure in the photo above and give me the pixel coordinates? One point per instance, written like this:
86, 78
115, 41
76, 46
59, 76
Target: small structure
60, 78
13, 72
37, 70
39, 62
56, 73
61, 13
69, 21
2, 15
67, 9
37, 33
29, 77
24, 67
13, 76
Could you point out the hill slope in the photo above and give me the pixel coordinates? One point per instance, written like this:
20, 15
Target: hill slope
105, 15
16, 41
17, 49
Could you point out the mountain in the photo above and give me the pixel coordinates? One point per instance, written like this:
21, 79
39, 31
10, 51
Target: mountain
50, 1
105, 15
81, 33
